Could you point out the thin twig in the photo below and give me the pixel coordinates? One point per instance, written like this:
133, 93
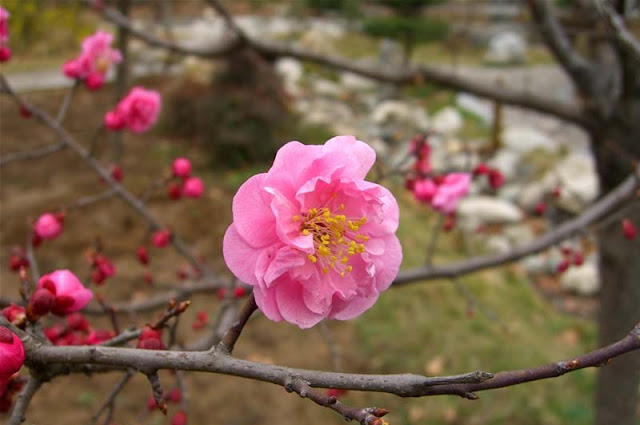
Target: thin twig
33, 264
62, 112
473, 301
334, 349
231, 336
111, 398
23, 400
33, 153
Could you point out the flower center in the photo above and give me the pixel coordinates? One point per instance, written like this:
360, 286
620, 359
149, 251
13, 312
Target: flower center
336, 238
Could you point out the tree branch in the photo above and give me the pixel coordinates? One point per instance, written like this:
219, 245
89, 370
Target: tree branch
623, 36
578, 68
24, 398
231, 336
403, 76
32, 153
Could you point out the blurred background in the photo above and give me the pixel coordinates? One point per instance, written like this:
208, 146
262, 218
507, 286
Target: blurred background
231, 114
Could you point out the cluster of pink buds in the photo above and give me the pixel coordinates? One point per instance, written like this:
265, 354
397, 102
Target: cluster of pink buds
5, 52
442, 192
101, 268
94, 61
494, 176
629, 229
47, 227
60, 293
570, 258
202, 320
138, 111
75, 330
183, 184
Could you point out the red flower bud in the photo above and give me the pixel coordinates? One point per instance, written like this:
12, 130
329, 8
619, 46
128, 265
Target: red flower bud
116, 172
143, 255
151, 339
24, 112
629, 229
179, 418
77, 322
540, 208
14, 314
563, 266
174, 190
496, 178
481, 169
578, 259
239, 292
161, 238
41, 302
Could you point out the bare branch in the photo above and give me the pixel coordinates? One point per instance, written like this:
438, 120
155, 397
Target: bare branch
33, 153
23, 400
231, 336
403, 76
111, 398
556, 39
622, 34
601, 209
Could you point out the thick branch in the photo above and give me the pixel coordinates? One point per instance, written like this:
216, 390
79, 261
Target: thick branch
24, 398
607, 205
231, 336
404, 385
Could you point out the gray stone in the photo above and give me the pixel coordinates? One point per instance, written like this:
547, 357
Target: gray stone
447, 121
476, 106
396, 112
578, 181
524, 139
290, 70
476, 210
506, 48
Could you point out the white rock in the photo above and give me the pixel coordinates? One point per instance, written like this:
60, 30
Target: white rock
584, 280
485, 209
290, 70
324, 87
478, 107
507, 162
506, 47
525, 139
354, 82
317, 40
498, 244
578, 181
400, 113
447, 121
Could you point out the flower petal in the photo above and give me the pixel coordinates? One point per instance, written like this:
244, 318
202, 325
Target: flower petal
291, 304
252, 214
241, 258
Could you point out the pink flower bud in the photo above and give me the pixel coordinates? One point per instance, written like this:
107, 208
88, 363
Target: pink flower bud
578, 259
496, 178
193, 187
563, 266
11, 354
98, 336
77, 322
175, 395
94, 81
4, 25
151, 339
5, 54
25, 112
179, 418
174, 190
71, 69
181, 167
452, 188
143, 255
113, 120
333, 392
116, 173
629, 229
55, 332
239, 292
48, 226
139, 110
540, 208
18, 260
14, 313
424, 189
41, 303
71, 295
161, 238
481, 169
105, 266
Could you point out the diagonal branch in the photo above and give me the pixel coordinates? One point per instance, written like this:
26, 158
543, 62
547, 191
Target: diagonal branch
622, 34
578, 68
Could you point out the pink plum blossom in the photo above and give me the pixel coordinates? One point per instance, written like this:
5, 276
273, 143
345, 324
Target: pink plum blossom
11, 354
94, 60
181, 167
137, 111
453, 187
313, 238
193, 187
70, 293
4, 25
48, 226
161, 238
